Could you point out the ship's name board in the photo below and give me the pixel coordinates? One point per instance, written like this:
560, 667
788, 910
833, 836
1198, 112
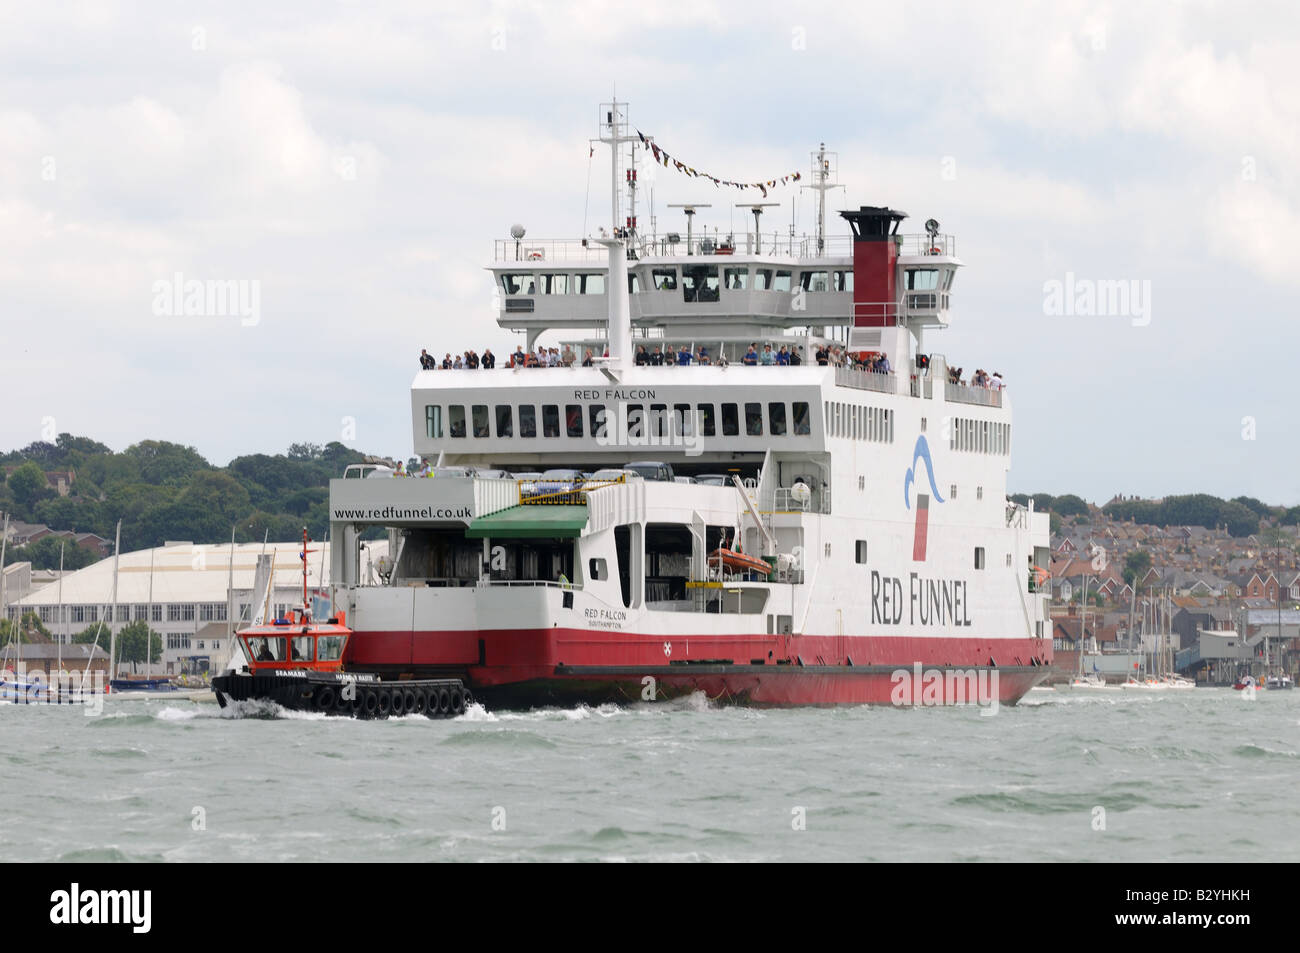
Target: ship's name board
614, 393
928, 602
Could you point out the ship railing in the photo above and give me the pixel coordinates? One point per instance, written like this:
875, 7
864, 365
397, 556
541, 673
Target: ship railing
866, 380
530, 583
971, 394
674, 245
784, 502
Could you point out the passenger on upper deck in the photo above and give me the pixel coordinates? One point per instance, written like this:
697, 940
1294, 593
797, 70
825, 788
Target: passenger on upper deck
446, 362
426, 360
587, 361
703, 356
783, 356
683, 355
458, 363
489, 359
751, 357
657, 358
823, 355
568, 357
767, 358
794, 356
519, 358
642, 358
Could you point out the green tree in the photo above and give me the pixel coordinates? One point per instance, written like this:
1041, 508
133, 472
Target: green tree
162, 462
27, 484
96, 630
1136, 565
133, 640
1070, 505
44, 554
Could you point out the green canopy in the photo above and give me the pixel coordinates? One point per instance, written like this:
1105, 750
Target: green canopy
531, 521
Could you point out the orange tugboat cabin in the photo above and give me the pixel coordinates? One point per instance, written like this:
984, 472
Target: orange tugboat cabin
296, 643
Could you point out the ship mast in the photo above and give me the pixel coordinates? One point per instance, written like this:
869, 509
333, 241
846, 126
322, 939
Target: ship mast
614, 131
823, 172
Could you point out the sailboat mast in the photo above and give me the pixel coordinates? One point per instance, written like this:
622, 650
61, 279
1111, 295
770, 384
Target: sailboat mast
62, 632
112, 612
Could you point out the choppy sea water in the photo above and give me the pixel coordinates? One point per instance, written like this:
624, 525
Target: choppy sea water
1196, 775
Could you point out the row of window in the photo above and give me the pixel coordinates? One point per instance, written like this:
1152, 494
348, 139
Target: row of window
774, 419
858, 422
175, 612
697, 282
979, 436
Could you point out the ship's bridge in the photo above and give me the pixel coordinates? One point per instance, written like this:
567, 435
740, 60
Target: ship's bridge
714, 288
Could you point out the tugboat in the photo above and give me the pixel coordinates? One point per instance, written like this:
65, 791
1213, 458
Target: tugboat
298, 663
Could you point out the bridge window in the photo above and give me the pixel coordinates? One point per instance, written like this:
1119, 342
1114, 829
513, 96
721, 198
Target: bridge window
555, 284
527, 420
781, 282
730, 420
433, 421
550, 420
814, 281
596, 417
843, 281
699, 283
456, 415
515, 284
329, 648
776, 419
708, 423
589, 284
505, 420
573, 420
754, 420
665, 279
922, 279
633, 282
802, 418
735, 279
762, 279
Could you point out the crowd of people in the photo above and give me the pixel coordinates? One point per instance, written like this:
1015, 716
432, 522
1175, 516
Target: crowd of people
470, 359
980, 378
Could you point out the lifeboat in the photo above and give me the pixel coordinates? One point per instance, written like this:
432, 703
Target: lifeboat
737, 561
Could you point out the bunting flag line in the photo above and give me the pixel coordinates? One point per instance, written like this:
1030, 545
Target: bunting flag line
662, 157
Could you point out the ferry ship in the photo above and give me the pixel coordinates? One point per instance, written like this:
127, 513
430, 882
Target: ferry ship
790, 535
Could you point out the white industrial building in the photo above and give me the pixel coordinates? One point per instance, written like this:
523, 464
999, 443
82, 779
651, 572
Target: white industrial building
194, 596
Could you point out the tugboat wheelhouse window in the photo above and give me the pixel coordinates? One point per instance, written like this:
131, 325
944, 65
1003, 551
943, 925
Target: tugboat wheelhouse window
505, 420
433, 421
589, 284
481, 420
735, 279
776, 419
266, 648
300, 649
456, 417
730, 420
329, 648
527, 420
550, 420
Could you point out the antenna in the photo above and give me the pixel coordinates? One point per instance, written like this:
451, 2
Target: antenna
614, 130
689, 209
757, 208
825, 165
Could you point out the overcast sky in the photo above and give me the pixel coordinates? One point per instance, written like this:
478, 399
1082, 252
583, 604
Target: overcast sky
357, 160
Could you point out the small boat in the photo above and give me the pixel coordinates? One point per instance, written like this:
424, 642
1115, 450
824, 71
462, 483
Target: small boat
737, 561
298, 664
1245, 682
1277, 682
